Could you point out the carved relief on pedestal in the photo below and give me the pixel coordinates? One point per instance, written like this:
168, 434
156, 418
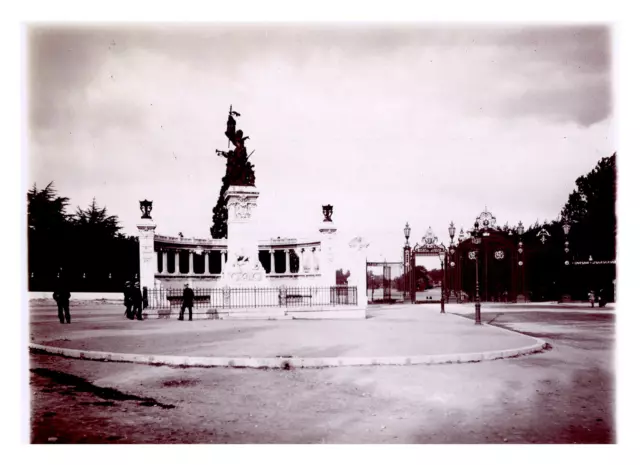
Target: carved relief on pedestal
242, 206
244, 267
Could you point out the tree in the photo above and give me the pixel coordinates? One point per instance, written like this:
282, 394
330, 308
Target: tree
48, 227
422, 279
85, 248
436, 275
95, 230
95, 222
220, 214
342, 278
374, 282
591, 211
46, 211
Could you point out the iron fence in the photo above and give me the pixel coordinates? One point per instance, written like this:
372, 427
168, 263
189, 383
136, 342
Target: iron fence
255, 297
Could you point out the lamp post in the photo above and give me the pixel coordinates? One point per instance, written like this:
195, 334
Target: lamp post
443, 257
591, 273
520, 231
406, 260
476, 239
449, 265
566, 227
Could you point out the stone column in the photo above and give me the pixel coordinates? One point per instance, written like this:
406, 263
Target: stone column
272, 269
326, 257
222, 260
316, 259
287, 268
206, 263
146, 235
300, 253
165, 262
177, 262
190, 261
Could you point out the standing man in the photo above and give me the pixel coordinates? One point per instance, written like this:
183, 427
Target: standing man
136, 300
62, 296
128, 303
592, 298
187, 301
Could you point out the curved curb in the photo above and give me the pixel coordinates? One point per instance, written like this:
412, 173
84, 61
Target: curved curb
293, 362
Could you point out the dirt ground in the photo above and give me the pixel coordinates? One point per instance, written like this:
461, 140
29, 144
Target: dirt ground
563, 395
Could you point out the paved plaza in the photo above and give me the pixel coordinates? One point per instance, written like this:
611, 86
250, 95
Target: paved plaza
561, 395
397, 331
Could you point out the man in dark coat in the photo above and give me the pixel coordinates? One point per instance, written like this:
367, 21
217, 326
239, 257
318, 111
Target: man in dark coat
187, 301
62, 296
128, 303
136, 300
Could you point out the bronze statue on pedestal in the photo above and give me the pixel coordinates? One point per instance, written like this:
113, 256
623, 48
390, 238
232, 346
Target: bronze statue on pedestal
239, 170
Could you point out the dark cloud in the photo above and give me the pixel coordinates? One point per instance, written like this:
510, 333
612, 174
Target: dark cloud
564, 73
64, 60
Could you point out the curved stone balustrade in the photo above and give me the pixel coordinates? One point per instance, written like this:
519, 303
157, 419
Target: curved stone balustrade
217, 244
307, 250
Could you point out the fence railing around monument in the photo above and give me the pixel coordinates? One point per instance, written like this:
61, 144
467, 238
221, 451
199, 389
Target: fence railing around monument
256, 297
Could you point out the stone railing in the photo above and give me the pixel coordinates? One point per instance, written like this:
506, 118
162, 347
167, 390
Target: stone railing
274, 243
189, 241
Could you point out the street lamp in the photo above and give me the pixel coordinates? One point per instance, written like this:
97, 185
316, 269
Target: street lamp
452, 231
443, 257
566, 227
476, 239
520, 231
407, 260
449, 257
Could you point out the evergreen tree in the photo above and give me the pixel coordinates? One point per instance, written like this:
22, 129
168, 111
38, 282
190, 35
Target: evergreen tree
591, 211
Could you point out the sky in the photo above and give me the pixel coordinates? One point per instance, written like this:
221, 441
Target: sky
412, 123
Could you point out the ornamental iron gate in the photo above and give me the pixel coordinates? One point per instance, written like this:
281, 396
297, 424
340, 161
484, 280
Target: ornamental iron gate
429, 248
387, 282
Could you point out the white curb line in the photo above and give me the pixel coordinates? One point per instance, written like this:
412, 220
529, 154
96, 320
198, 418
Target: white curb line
293, 362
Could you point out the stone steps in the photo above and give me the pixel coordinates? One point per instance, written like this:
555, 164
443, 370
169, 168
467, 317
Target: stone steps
257, 314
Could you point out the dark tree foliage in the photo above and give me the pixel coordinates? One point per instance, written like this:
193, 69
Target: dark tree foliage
342, 278
592, 213
423, 282
48, 229
220, 214
86, 248
436, 274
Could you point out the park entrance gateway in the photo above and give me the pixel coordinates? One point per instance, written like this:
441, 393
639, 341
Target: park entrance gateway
428, 248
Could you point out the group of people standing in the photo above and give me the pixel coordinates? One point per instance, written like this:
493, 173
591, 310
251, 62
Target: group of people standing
599, 297
133, 301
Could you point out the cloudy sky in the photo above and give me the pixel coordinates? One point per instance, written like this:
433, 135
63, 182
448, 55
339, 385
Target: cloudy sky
389, 124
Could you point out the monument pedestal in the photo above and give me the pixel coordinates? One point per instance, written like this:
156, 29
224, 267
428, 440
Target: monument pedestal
243, 268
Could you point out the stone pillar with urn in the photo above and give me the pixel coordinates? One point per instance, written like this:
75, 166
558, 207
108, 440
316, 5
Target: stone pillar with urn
326, 256
146, 233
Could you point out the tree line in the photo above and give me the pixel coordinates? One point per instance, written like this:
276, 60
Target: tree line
85, 247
